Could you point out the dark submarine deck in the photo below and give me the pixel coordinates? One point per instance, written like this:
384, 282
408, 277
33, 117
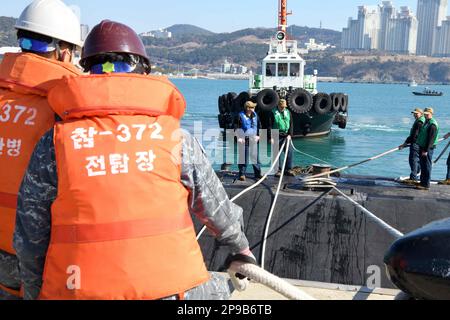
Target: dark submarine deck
323, 237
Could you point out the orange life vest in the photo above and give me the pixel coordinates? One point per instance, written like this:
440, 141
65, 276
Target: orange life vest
24, 117
121, 227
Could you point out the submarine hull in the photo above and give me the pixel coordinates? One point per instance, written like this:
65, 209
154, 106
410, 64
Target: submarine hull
419, 263
319, 236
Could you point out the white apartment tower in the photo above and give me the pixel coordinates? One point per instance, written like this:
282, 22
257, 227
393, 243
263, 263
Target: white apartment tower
382, 28
402, 36
363, 32
442, 43
387, 13
430, 14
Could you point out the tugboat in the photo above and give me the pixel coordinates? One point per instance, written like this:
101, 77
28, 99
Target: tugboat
283, 77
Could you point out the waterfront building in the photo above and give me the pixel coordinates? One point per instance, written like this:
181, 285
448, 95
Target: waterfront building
363, 32
159, 34
430, 14
382, 28
387, 14
402, 33
442, 43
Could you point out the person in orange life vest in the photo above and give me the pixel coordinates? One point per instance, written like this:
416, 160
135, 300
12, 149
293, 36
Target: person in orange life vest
121, 181
48, 33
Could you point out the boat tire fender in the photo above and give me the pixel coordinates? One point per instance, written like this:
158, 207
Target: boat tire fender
344, 102
322, 103
300, 101
239, 102
267, 100
222, 105
336, 102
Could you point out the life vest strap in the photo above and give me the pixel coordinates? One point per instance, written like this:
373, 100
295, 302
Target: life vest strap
8, 200
118, 230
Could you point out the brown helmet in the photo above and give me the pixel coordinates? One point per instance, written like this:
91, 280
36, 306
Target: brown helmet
109, 36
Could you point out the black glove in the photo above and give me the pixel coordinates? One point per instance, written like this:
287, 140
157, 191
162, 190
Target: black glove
240, 258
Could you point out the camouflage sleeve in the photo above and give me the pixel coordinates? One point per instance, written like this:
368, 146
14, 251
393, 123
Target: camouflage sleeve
33, 222
208, 200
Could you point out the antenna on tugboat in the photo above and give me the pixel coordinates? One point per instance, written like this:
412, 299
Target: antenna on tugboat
282, 21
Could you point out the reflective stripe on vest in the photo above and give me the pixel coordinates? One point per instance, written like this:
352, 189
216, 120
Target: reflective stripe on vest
249, 125
24, 117
423, 134
282, 120
121, 227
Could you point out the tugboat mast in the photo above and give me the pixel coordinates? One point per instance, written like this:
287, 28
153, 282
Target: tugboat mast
282, 18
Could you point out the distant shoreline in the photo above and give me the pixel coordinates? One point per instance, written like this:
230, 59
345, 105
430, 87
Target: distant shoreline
320, 79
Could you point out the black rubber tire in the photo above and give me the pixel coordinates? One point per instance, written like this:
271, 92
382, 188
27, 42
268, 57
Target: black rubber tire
343, 123
344, 104
336, 102
267, 100
322, 103
300, 101
346, 100
222, 105
231, 96
239, 102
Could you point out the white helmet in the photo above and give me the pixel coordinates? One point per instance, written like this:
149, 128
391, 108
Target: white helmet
51, 18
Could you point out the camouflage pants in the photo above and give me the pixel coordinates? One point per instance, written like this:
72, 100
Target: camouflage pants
9, 274
219, 287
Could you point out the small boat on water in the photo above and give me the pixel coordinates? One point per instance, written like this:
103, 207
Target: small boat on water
429, 92
412, 84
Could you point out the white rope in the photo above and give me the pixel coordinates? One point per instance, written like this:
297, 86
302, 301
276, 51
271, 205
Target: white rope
265, 278
269, 219
442, 153
357, 164
310, 156
371, 216
275, 163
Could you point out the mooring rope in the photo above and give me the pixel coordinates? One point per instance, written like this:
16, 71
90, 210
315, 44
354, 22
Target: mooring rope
356, 164
269, 218
265, 278
397, 234
275, 163
308, 155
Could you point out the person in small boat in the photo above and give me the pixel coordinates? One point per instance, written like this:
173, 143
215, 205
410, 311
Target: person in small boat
427, 140
281, 119
447, 179
104, 210
48, 34
414, 149
247, 132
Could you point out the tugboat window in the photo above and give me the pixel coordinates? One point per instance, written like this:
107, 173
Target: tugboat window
282, 69
295, 69
271, 69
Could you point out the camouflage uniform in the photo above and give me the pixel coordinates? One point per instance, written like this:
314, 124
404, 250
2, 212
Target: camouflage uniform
9, 274
208, 201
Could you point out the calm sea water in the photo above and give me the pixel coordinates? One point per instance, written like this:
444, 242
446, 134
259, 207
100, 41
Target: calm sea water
379, 120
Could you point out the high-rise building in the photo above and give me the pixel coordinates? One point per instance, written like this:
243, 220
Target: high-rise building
442, 42
382, 28
402, 35
387, 13
363, 32
430, 14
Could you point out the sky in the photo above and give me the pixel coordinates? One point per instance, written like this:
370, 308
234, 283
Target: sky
213, 15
